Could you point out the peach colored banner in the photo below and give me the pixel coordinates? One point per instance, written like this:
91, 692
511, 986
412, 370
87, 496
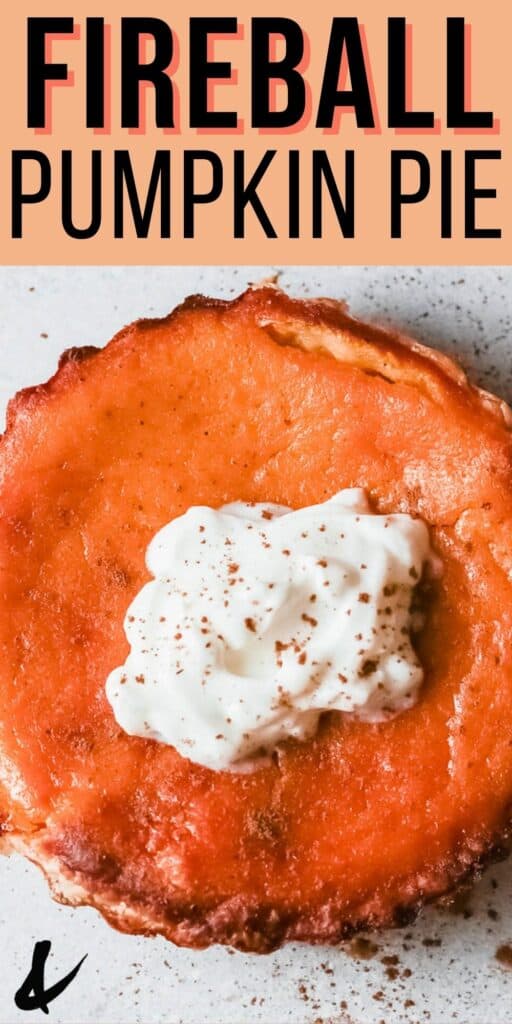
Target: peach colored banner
305, 188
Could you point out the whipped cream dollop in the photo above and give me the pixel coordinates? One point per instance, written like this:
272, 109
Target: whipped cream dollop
260, 618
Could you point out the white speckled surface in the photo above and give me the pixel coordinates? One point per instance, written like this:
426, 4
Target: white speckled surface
446, 967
